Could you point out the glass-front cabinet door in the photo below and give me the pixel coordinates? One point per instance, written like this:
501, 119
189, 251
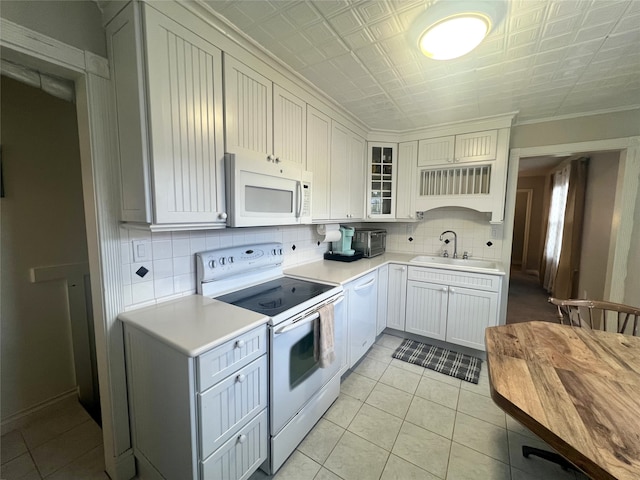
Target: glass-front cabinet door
383, 166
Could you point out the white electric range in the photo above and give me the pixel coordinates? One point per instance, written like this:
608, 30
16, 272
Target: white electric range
300, 391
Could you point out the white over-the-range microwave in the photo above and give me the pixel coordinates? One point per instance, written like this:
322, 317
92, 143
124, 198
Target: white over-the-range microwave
266, 191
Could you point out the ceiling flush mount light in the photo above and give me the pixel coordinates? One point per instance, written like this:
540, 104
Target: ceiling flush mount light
452, 28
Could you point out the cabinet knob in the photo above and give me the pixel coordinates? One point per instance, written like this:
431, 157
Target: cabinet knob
444, 289
240, 343
269, 158
403, 268
277, 160
452, 290
222, 216
241, 378
242, 438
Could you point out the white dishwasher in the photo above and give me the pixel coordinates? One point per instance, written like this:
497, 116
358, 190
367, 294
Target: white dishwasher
362, 297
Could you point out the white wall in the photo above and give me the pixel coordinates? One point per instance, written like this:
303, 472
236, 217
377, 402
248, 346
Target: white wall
632, 282
42, 224
602, 176
77, 23
580, 129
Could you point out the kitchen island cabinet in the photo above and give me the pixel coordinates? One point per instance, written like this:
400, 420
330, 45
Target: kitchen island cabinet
167, 85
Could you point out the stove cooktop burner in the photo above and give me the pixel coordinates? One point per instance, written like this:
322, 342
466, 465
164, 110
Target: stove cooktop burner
276, 296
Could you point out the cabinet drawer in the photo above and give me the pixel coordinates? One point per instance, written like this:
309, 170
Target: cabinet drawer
222, 361
240, 456
228, 405
478, 281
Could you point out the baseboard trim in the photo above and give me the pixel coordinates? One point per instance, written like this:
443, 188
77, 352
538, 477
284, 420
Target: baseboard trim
16, 417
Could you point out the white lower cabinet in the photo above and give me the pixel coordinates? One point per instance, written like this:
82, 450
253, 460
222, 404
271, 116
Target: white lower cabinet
383, 298
362, 304
426, 309
241, 455
452, 306
202, 418
470, 312
397, 296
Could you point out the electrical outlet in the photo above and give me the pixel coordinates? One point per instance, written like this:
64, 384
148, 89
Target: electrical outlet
141, 250
494, 231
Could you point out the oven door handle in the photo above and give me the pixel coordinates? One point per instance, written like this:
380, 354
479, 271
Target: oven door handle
303, 321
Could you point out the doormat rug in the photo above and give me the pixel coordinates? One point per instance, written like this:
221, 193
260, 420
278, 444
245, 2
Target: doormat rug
454, 364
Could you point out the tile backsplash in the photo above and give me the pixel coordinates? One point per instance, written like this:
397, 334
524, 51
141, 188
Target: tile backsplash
170, 269
423, 237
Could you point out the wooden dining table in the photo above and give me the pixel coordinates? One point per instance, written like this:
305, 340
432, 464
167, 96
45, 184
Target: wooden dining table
577, 389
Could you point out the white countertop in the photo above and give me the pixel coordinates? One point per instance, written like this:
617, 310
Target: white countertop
332, 271
193, 324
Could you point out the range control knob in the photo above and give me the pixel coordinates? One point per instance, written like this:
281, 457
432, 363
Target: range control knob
212, 264
230, 260
274, 252
222, 260
279, 251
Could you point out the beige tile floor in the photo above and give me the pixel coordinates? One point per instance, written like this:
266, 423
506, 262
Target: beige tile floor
394, 420
60, 442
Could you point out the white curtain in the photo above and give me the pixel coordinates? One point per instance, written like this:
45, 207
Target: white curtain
555, 228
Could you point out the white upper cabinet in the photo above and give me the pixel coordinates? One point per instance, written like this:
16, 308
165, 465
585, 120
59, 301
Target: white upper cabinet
476, 147
406, 181
436, 151
248, 110
465, 170
382, 168
347, 174
318, 162
357, 177
289, 126
469, 147
168, 92
263, 120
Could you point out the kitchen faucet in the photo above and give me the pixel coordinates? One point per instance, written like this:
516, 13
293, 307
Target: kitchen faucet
455, 242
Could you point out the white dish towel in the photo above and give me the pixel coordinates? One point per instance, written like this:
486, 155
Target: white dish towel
324, 338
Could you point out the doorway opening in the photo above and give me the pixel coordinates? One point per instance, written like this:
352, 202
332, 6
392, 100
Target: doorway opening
48, 336
527, 298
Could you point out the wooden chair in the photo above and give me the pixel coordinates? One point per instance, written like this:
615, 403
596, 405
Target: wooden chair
596, 315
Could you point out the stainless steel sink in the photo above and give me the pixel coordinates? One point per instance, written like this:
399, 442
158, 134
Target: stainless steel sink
456, 263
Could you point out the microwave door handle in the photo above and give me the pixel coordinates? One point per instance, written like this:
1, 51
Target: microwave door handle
299, 195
